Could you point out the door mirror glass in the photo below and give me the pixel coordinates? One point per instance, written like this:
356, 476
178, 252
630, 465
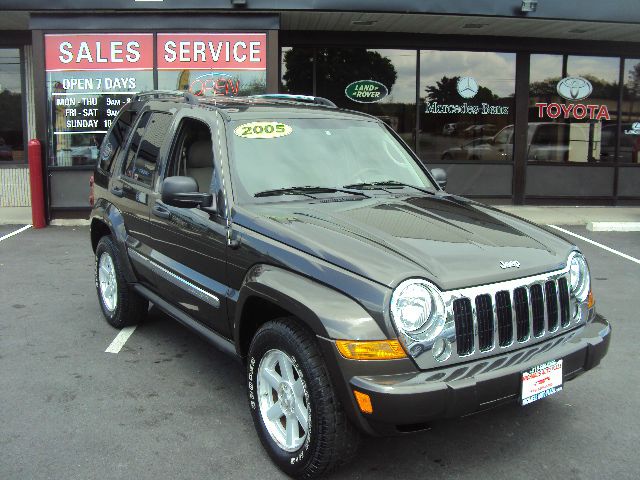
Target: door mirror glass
183, 192
440, 176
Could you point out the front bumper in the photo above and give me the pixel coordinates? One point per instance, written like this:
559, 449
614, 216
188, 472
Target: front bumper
407, 401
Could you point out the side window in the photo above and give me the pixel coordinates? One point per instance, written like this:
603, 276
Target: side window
114, 142
142, 158
192, 155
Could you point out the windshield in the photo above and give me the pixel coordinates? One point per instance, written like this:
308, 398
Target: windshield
330, 153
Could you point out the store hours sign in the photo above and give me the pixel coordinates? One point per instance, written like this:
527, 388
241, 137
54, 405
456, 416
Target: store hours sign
89, 78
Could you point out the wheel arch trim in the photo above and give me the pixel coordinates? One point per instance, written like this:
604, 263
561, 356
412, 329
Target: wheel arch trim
107, 214
325, 311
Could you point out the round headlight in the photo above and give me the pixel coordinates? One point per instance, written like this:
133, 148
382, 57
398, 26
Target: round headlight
579, 276
417, 309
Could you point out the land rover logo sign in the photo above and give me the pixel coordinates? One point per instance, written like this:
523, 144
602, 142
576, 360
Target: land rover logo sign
467, 87
366, 91
574, 88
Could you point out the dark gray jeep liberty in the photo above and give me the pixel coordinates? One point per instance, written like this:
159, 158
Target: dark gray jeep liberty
313, 245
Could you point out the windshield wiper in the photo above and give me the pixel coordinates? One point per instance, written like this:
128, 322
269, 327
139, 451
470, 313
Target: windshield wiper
305, 191
385, 184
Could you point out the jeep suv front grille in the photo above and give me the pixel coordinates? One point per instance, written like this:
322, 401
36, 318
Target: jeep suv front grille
507, 316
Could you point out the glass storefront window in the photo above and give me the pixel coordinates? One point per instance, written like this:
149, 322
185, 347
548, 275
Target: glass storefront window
630, 113
89, 78
378, 82
212, 64
11, 135
572, 109
296, 70
466, 106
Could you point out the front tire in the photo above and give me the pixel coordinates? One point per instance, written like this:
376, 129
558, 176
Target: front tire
121, 306
295, 410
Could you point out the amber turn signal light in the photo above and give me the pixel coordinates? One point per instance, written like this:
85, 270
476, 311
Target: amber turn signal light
364, 401
370, 350
591, 301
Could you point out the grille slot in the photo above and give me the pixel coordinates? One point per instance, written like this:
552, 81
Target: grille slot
484, 315
521, 304
505, 318
565, 309
537, 309
551, 296
463, 318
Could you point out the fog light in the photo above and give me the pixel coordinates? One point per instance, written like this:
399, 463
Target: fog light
441, 349
364, 402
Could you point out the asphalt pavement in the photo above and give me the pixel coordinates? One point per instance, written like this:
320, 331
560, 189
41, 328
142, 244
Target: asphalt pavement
170, 406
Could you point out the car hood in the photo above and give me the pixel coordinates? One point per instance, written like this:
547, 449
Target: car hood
449, 240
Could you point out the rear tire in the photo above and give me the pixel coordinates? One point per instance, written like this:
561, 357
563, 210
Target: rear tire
285, 367
121, 306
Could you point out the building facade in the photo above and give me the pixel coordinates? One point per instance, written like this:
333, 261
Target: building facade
524, 102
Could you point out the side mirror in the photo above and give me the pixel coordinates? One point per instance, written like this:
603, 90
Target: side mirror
183, 192
440, 176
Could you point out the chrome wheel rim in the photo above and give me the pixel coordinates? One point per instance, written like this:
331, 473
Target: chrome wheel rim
107, 282
283, 404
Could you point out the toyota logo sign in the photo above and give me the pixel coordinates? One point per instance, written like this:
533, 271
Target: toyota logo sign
574, 88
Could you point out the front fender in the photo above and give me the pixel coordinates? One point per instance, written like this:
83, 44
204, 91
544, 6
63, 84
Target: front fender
327, 312
109, 215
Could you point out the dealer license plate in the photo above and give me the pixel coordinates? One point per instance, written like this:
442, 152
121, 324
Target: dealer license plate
541, 381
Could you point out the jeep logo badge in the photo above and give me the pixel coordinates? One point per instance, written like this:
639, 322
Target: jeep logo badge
510, 264
574, 88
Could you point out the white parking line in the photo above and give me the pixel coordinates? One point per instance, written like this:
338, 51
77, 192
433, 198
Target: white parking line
604, 247
120, 340
8, 235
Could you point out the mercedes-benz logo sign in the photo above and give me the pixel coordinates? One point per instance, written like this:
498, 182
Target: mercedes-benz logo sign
574, 88
467, 87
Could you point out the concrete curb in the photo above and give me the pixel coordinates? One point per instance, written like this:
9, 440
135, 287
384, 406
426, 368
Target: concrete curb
69, 222
614, 226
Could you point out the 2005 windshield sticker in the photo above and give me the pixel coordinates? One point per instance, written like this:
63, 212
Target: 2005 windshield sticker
263, 130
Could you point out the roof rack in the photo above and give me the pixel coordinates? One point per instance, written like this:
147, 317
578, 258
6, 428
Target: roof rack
297, 98
188, 96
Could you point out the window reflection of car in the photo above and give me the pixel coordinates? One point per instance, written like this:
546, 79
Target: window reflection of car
482, 130
546, 142
463, 151
84, 154
629, 144
6, 153
454, 128
84, 149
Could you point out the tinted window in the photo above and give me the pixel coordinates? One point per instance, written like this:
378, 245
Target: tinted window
114, 142
154, 135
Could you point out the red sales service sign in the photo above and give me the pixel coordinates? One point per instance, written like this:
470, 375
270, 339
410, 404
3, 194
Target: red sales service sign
99, 51
212, 51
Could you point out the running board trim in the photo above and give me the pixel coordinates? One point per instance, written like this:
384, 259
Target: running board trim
212, 337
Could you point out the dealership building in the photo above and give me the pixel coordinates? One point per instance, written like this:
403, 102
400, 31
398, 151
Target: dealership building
520, 101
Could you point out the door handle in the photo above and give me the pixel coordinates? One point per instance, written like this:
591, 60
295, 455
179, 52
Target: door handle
160, 211
117, 191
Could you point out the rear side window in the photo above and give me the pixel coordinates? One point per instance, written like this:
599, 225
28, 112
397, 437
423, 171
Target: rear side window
142, 158
113, 143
